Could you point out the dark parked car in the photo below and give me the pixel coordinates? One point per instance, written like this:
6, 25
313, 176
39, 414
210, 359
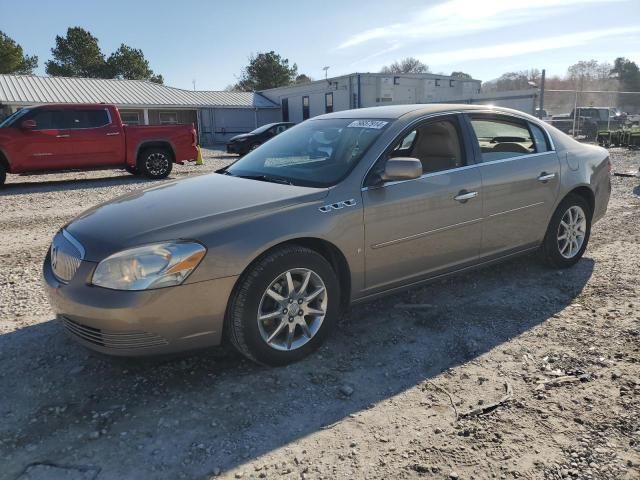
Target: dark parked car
244, 143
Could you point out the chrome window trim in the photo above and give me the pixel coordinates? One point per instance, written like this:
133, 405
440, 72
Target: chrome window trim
75, 243
452, 170
552, 147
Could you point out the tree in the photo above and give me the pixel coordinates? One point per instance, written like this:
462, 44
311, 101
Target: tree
13, 59
627, 73
266, 70
512, 81
129, 63
461, 76
302, 78
406, 65
77, 55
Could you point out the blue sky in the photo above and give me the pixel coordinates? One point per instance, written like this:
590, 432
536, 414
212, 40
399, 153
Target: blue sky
210, 41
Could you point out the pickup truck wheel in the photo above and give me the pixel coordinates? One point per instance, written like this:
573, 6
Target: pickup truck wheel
155, 163
3, 174
284, 306
568, 233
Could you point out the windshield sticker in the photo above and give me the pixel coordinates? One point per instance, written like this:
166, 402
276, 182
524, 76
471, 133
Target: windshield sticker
376, 124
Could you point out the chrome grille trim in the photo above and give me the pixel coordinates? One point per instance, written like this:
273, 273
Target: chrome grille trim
112, 339
66, 256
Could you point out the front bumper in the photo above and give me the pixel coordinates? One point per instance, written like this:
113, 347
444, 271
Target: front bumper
236, 148
135, 323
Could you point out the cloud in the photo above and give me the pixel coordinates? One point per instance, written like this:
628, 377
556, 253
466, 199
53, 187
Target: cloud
461, 17
521, 48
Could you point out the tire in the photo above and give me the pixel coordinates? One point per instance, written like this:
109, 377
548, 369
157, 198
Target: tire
3, 174
554, 251
250, 336
155, 163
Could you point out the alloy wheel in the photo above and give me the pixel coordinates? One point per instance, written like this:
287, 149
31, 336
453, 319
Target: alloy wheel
572, 232
157, 164
292, 309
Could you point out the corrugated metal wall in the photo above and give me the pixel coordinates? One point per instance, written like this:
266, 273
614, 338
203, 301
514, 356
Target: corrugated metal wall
217, 125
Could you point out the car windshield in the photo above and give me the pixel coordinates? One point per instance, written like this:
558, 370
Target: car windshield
10, 120
263, 128
316, 153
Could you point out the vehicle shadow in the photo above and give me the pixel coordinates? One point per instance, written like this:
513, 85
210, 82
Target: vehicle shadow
151, 418
44, 186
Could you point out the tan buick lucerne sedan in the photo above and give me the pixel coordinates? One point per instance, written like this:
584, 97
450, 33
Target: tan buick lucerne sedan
339, 209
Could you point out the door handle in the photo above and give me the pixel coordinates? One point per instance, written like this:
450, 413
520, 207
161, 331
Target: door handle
111, 134
545, 177
64, 135
463, 196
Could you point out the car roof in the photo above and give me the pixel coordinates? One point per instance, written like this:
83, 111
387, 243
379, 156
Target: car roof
397, 111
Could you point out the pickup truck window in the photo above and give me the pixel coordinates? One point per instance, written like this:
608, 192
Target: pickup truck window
47, 119
11, 120
86, 118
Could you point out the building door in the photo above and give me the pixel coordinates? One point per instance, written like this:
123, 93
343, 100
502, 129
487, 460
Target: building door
305, 107
285, 109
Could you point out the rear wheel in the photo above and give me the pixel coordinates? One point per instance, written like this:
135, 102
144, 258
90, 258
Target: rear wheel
284, 306
155, 163
3, 174
568, 233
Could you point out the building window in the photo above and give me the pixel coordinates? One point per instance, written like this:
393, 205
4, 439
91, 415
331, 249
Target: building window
437, 82
130, 118
328, 102
396, 80
305, 107
168, 118
285, 109
452, 83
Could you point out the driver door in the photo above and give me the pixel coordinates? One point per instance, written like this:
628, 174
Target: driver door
421, 227
44, 146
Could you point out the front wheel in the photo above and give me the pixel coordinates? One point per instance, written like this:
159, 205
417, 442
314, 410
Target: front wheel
155, 163
568, 233
284, 306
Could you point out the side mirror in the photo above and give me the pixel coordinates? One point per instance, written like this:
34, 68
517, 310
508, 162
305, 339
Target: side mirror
401, 168
28, 124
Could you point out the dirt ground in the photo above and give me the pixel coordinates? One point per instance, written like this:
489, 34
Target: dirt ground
387, 397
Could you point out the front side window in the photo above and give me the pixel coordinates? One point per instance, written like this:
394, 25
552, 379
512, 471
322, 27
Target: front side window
47, 119
85, 118
318, 153
502, 137
435, 143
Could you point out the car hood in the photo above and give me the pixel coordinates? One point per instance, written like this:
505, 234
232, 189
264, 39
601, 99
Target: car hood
186, 209
241, 136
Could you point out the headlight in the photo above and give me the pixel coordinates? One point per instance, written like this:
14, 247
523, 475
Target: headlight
151, 266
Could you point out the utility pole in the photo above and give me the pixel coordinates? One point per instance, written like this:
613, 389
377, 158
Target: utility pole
541, 108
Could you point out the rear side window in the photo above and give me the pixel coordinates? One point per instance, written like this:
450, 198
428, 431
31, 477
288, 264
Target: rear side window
48, 119
86, 118
502, 137
542, 144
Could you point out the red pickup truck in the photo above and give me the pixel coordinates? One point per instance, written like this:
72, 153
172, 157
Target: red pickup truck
82, 137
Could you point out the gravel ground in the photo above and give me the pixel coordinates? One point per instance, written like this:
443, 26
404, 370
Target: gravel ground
387, 397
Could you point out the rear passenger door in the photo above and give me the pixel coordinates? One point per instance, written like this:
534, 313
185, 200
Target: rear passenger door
95, 140
520, 180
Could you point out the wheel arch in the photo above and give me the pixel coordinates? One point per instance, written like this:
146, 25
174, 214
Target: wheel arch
326, 249
156, 144
5, 162
586, 193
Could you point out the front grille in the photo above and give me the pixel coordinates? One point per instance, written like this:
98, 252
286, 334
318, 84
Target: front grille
112, 339
66, 256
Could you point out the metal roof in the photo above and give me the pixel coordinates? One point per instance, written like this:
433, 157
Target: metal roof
33, 89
